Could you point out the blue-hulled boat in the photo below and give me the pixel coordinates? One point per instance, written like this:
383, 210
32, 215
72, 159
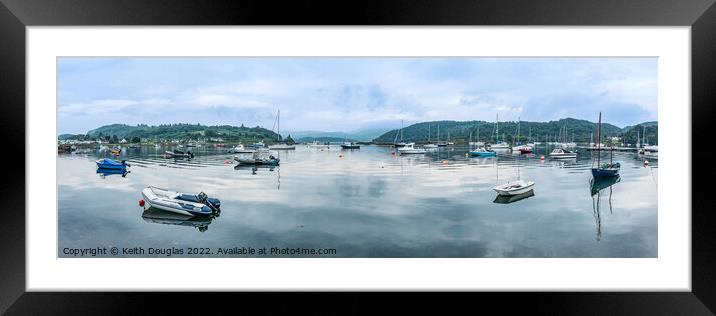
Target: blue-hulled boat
108, 172
606, 170
105, 163
482, 152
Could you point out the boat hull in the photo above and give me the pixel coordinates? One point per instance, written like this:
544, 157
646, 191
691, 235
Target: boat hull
282, 147
506, 190
411, 152
605, 172
563, 156
483, 154
110, 164
258, 162
175, 205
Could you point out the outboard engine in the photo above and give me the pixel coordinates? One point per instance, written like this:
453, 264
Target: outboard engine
207, 201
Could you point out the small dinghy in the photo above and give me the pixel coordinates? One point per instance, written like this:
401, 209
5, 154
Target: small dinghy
178, 154
514, 188
105, 163
180, 203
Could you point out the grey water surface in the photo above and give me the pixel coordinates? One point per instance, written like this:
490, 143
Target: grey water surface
360, 203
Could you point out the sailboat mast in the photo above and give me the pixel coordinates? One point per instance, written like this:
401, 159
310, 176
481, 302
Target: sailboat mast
497, 129
278, 125
401, 131
599, 141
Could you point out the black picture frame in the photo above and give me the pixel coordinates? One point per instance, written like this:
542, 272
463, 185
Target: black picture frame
16, 15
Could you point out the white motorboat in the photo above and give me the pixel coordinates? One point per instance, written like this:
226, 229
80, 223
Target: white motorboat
431, 146
559, 153
654, 148
409, 148
180, 203
350, 145
514, 188
240, 149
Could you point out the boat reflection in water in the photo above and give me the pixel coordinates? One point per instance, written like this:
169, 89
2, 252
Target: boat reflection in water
255, 168
596, 186
103, 172
506, 199
153, 215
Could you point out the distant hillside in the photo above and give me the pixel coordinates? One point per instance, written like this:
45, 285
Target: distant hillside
652, 133
460, 131
647, 124
366, 134
185, 132
68, 136
323, 139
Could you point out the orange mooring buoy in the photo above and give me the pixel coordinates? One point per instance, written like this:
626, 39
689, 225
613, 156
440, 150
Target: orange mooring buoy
141, 202
445, 162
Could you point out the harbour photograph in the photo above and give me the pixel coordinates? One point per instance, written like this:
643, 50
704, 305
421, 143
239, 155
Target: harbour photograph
357, 157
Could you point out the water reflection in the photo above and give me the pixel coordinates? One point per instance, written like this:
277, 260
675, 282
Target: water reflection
597, 185
507, 199
108, 172
201, 223
368, 203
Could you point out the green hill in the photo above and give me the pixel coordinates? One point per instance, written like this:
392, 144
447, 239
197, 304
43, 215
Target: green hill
652, 133
323, 139
185, 132
460, 131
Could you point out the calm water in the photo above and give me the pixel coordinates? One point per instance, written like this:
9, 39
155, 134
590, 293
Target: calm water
367, 203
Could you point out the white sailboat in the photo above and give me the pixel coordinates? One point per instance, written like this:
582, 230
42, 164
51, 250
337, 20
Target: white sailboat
477, 142
430, 145
498, 145
280, 145
515, 187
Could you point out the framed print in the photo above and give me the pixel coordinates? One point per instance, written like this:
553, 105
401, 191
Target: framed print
401, 147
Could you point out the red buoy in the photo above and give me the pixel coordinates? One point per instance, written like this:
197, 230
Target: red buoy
541, 158
141, 202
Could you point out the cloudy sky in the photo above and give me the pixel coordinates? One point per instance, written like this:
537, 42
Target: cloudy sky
346, 94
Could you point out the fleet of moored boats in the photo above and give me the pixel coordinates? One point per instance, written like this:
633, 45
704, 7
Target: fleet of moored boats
258, 154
